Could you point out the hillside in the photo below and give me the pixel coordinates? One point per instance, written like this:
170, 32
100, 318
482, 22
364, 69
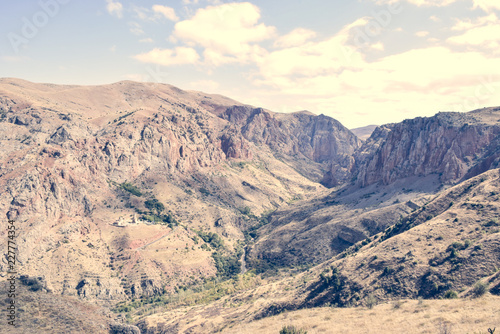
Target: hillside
441, 250
129, 189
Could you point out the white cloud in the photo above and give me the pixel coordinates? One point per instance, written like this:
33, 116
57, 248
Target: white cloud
146, 40
422, 33
115, 8
227, 32
136, 28
378, 46
334, 75
167, 12
487, 5
168, 57
482, 34
487, 37
296, 37
467, 24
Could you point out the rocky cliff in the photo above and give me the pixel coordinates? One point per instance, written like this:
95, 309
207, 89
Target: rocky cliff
448, 144
320, 147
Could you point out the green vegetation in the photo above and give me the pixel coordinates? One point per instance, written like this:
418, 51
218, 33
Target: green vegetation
450, 294
199, 292
292, 330
479, 289
332, 280
165, 219
204, 191
154, 205
227, 266
251, 233
246, 211
131, 189
371, 301
492, 222
211, 238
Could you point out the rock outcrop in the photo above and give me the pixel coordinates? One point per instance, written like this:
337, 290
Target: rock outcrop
448, 144
300, 138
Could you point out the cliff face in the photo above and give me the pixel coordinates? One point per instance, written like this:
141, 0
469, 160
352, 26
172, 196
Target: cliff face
448, 144
300, 138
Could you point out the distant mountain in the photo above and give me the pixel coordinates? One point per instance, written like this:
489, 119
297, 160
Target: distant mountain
364, 132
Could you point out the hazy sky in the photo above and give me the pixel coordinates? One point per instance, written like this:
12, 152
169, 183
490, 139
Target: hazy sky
359, 61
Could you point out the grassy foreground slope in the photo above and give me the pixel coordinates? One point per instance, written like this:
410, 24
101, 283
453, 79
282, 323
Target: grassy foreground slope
406, 316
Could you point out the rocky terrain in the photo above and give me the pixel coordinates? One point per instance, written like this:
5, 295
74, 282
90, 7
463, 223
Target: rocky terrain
180, 211
76, 160
449, 248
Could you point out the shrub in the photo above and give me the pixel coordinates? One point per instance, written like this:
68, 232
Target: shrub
212, 238
292, 330
204, 191
450, 294
246, 210
227, 266
371, 301
131, 189
387, 271
492, 222
479, 289
154, 204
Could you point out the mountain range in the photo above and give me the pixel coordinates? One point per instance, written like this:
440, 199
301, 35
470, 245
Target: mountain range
169, 209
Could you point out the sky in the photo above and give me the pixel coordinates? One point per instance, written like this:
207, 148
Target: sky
359, 61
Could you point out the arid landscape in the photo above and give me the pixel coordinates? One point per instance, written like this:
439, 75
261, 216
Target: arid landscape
150, 209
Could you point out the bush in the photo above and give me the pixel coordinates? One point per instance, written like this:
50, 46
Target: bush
227, 266
131, 189
292, 330
450, 294
246, 210
154, 204
479, 289
371, 301
492, 222
212, 238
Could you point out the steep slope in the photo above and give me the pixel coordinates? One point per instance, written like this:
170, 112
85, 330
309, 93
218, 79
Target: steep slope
300, 139
448, 144
315, 230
